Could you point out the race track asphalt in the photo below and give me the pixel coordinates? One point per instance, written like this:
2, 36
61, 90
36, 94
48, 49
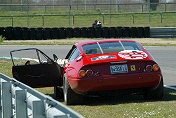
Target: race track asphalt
165, 57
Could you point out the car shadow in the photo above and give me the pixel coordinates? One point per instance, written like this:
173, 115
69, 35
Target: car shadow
169, 95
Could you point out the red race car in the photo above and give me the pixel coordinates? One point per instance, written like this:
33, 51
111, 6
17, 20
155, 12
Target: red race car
102, 67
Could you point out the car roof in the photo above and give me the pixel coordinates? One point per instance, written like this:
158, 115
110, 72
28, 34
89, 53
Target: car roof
102, 41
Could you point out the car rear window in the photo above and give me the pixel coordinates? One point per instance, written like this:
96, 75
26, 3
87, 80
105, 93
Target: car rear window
109, 47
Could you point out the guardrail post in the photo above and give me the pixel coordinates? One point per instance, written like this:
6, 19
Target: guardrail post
37, 107
20, 104
6, 100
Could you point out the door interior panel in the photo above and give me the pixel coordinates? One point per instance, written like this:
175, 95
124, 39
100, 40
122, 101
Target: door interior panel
38, 75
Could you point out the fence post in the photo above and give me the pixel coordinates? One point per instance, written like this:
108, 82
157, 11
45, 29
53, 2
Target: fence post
69, 11
73, 19
85, 5
6, 99
43, 20
21, 5
116, 5
109, 11
165, 6
76, 4
27, 13
142, 7
95, 5
161, 17
149, 9
45, 8
12, 20
103, 17
133, 17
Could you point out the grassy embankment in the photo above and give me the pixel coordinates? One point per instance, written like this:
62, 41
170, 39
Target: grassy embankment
140, 20
121, 107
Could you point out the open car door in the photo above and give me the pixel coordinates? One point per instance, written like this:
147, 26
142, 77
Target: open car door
34, 68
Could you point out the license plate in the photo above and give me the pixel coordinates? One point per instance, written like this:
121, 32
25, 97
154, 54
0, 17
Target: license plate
119, 69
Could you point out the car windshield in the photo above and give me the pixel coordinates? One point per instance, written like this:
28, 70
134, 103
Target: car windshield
109, 47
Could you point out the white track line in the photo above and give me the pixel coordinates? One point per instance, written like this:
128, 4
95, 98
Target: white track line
173, 88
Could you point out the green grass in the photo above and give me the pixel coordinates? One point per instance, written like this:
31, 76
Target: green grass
121, 107
140, 20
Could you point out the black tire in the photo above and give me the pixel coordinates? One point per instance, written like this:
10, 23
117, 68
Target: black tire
156, 93
58, 93
70, 97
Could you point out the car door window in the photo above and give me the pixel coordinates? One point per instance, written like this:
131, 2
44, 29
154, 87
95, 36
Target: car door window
76, 52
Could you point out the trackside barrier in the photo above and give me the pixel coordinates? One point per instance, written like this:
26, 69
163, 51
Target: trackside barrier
163, 32
18, 100
22, 33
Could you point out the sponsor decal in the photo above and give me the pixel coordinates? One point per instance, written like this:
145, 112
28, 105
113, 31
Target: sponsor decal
103, 57
132, 54
133, 68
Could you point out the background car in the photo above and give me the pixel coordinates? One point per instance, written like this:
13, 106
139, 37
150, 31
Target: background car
103, 67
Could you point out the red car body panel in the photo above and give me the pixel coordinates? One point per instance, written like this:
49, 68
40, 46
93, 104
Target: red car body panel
104, 79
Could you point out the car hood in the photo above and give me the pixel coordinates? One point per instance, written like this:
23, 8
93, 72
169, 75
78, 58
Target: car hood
118, 56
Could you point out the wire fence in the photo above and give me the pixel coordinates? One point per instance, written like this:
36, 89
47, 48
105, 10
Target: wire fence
114, 7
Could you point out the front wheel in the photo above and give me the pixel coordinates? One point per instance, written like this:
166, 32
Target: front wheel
70, 97
155, 93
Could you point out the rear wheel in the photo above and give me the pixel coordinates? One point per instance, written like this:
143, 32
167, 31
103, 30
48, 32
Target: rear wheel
155, 93
70, 97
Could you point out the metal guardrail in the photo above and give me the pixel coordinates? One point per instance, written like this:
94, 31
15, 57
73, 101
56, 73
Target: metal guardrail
17, 100
163, 32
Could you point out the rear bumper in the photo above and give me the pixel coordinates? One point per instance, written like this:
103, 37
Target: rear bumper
115, 82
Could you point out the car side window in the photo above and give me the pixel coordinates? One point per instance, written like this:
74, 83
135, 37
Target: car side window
76, 52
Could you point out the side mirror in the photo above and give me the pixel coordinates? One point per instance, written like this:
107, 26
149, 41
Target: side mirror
55, 57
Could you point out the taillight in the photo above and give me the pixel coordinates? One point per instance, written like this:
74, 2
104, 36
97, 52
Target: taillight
149, 68
155, 67
82, 73
89, 72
